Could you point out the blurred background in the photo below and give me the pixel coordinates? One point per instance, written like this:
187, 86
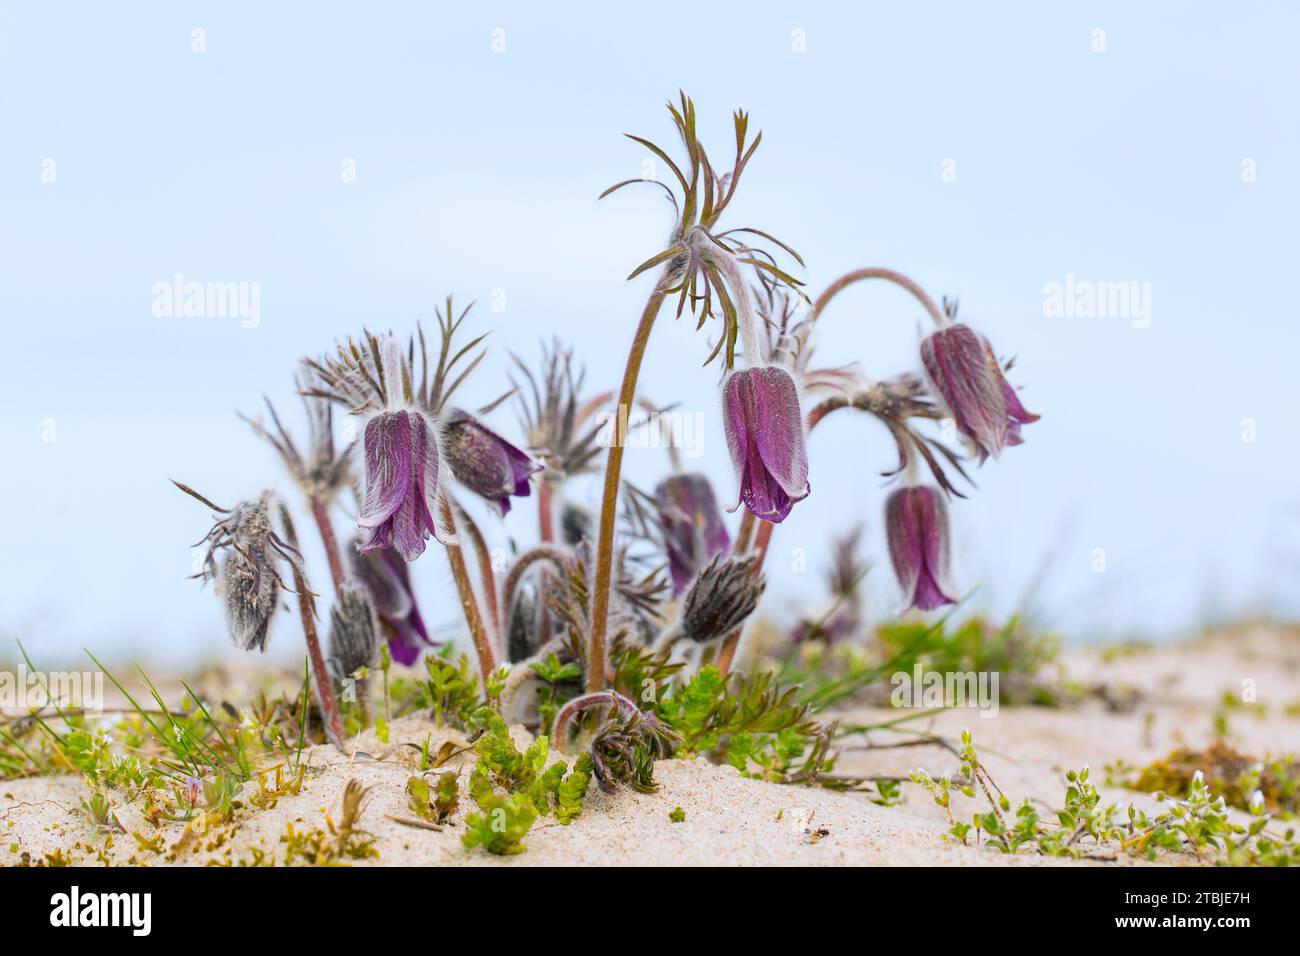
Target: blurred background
360, 162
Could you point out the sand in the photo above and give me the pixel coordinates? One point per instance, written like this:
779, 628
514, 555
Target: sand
729, 819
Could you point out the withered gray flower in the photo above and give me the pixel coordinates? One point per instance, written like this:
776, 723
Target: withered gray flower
624, 743
843, 616
248, 575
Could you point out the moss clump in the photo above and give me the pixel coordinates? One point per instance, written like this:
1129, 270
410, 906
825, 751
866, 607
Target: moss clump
1229, 772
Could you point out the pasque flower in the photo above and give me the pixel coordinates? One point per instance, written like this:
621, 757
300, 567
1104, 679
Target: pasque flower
401, 455
388, 582
485, 462
377, 378
249, 537
765, 434
691, 523
967, 378
916, 524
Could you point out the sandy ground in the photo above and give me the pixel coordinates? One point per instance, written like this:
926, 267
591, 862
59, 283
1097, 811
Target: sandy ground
732, 820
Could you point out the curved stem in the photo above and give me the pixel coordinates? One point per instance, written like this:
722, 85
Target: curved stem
307, 613
545, 552
320, 511
484, 559
560, 726
468, 602
609, 500
875, 272
822, 409
591, 406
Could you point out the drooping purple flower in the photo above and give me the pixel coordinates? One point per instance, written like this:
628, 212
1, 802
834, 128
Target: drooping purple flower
401, 483
1018, 415
764, 427
916, 524
485, 462
386, 579
403, 396
692, 526
966, 377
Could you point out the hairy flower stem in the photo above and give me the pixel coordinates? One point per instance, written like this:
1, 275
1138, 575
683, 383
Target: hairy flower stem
469, 603
545, 515
875, 272
307, 612
566, 714
320, 511
745, 536
822, 409
488, 576
596, 679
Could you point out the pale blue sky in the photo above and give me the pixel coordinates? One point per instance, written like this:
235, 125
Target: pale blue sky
478, 170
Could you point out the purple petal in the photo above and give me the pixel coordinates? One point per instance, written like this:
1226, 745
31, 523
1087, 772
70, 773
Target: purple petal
415, 520
916, 524
905, 551
763, 494
485, 462
386, 578
402, 644
388, 467
692, 526
384, 575
523, 468
736, 428
765, 435
1015, 409
956, 361
780, 429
